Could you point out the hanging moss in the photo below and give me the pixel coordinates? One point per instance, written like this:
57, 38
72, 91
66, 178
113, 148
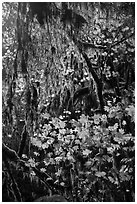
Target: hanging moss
43, 10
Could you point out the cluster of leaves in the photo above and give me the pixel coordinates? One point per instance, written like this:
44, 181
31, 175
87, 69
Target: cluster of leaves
91, 157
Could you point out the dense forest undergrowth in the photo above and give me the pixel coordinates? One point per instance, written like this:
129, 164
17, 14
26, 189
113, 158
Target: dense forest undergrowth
68, 101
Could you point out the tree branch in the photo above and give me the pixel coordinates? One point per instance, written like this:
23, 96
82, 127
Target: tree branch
86, 45
23, 141
11, 155
97, 80
122, 40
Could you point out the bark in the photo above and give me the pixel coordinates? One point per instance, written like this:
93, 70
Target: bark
97, 80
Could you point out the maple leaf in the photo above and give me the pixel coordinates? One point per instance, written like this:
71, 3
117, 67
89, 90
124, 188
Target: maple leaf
62, 124
106, 108
121, 131
36, 142
86, 152
83, 119
32, 162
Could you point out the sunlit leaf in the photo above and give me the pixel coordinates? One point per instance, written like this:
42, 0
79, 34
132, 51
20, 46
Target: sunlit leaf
45, 145
100, 174
86, 152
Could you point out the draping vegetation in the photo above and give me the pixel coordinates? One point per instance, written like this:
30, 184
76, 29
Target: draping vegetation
68, 101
